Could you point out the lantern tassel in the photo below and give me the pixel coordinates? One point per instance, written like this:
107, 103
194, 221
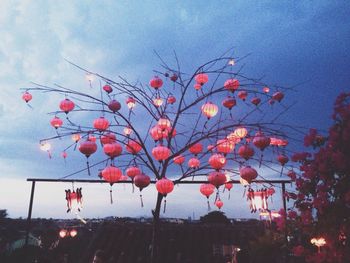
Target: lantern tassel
281, 171
164, 206
141, 200
111, 196
30, 106
49, 153
133, 187
229, 195
88, 167
208, 205
261, 157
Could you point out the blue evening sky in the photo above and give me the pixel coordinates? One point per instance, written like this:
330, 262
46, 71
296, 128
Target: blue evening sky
291, 42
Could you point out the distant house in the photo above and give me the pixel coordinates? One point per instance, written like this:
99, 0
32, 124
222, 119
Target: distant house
19, 243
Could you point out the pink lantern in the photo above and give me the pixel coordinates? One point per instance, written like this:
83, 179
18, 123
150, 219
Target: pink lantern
114, 105
219, 203
179, 159
196, 148
101, 124
225, 146
194, 163
171, 99
111, 174
112, 149
197, 86
261, 141
231, 84
217, 161
108, 138
107, 88
209, 110
27, 96
161, 153
164, 123
246, 152
156, 82
242, 95
164, 186
130, 102
133, 171
201, 78
67, 105
266, 89
217, 178
87, 148
56, 122
133, 147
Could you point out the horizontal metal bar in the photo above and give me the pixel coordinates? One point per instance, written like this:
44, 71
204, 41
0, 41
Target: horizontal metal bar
47, 180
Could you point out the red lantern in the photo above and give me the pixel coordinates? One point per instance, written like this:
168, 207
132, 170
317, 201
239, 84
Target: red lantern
164, 186
219, 203
156, 133
231, 84
133, 171
261, 141
207, 189
242, 95
225, 146
194, 163
217, 178
133, 147
197, 86
87, 148
278, 96
217, 161
266, 89
229, 102
196, 148
174, 77
246, 152
201, 78
179, 159
92, 138
64, 155
130, 102
108, 138
228, 186
142, 181
114, 105
171, 100
256, 101
292, 175
209, 110
158, 102
161, 153
27, 96
248, 173
282, 159
56, 122
67, 105
164, 123
107, 88
73, 233
112, 149
156, 82
101, 124
111, 174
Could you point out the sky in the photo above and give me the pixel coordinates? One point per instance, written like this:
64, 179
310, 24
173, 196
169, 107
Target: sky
303, 44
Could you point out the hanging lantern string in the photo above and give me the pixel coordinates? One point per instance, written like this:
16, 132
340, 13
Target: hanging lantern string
88, 167
209, 208
111, 195
229, 195
141, 200
164, 206
133, 186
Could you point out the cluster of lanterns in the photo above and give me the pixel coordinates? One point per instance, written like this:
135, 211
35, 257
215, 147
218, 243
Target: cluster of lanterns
163, 132
64, 233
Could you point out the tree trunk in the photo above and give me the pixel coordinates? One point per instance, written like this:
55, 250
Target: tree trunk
155, 231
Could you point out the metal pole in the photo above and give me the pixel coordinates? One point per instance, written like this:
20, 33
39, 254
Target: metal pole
29, 218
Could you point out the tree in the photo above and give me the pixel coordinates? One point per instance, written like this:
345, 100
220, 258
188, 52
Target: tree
216, 217
323, 191
173, 118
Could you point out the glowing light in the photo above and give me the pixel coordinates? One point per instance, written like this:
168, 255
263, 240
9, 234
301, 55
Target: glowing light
45, 146
231, 62
90, 77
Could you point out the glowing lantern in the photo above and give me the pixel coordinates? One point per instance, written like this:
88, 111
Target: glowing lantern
266, 89
130, 102
67, 105
225, 146
161, 153
207, 190
107, 88
248, 174
174, 77
201, 78
196, 148
217, 161
164, 186
229, 102
89, 77
27, 96
197, 86
108, 138
171, 100
156, 82
243, 182
261, 141
217, 178
46, 147
241, 132
87, 148
194, 163
56, 122
256, 101
179, 159
133, 147
127, 131
278, 96
164, 123
209, 110
74, 200
101, 124
219, 203
63, 233
114, 105
231, 84
111, 174
231, 62
158, 102
282, 159
73, 233
318, 242
242, 95
133, 171
76, 137
112, 149
246, 152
